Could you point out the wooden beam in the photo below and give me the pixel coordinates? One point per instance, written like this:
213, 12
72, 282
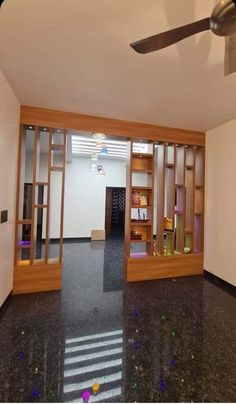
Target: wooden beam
67, 120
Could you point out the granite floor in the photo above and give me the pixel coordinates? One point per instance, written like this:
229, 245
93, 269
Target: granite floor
163, 341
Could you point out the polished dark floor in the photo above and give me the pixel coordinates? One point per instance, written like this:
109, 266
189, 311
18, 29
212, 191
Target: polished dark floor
164, 341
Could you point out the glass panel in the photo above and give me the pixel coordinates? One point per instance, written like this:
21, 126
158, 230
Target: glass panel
55, 214
179, 168
199, 167
40, 218
168, 243
188, 243
43, 152
189, 150
58, 137
24, 244
26, 175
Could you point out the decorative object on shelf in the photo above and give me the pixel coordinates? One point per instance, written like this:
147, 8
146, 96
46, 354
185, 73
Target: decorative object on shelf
136, 198
95, 388
168, 223
165, 250
144, 217
85, 396
187, 250
100, 170
143, 199
155, 249
135, 235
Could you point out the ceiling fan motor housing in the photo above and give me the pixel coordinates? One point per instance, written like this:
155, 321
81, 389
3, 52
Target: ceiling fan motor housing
223, 18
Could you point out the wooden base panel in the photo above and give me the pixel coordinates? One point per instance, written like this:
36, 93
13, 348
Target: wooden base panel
157, 267
37, 278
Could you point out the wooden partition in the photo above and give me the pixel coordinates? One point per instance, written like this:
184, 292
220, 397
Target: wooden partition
174, 238
38, 259
163, 231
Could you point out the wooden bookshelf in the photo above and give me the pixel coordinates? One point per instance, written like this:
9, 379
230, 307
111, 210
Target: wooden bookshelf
175, 189
139, 203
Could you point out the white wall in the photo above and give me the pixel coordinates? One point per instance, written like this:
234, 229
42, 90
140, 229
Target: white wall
220, 219
85, 194
9, 131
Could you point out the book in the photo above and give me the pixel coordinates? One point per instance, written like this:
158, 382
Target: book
143, 199
136, 198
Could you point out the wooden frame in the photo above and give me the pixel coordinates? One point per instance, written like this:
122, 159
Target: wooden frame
35, 275
67, 120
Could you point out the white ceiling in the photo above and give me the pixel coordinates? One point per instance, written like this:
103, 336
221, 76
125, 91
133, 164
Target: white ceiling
74, 55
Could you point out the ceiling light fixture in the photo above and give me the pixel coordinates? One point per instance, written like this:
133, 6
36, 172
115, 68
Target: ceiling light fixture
99, 136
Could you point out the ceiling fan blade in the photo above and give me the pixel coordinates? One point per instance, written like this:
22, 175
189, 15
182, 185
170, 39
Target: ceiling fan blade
230, 55
168, 38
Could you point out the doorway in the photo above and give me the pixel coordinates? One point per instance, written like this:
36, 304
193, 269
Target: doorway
115, 211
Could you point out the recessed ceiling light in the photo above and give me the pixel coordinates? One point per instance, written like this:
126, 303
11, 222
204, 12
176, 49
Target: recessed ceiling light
30, 127
45, 129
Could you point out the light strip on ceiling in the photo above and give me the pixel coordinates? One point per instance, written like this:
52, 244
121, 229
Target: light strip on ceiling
98, 148
87, 139
111, 146
87, 154
89, 151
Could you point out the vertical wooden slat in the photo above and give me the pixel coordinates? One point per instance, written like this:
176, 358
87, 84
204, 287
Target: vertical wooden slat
160, 197
62, 198
128, 202
151, 203
35, 161
48, 198
19, 164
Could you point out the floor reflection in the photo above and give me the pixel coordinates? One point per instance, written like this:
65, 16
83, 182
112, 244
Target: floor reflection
162, 341
99, 361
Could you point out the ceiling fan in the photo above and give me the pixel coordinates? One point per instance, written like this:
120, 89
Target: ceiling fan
222, 22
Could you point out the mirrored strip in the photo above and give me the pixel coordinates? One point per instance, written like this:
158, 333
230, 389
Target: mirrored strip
94, 345
102, 396
95, 355
92, 368
94, 336
68, 388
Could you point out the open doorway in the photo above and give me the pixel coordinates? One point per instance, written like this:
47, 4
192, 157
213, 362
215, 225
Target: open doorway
115, 211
